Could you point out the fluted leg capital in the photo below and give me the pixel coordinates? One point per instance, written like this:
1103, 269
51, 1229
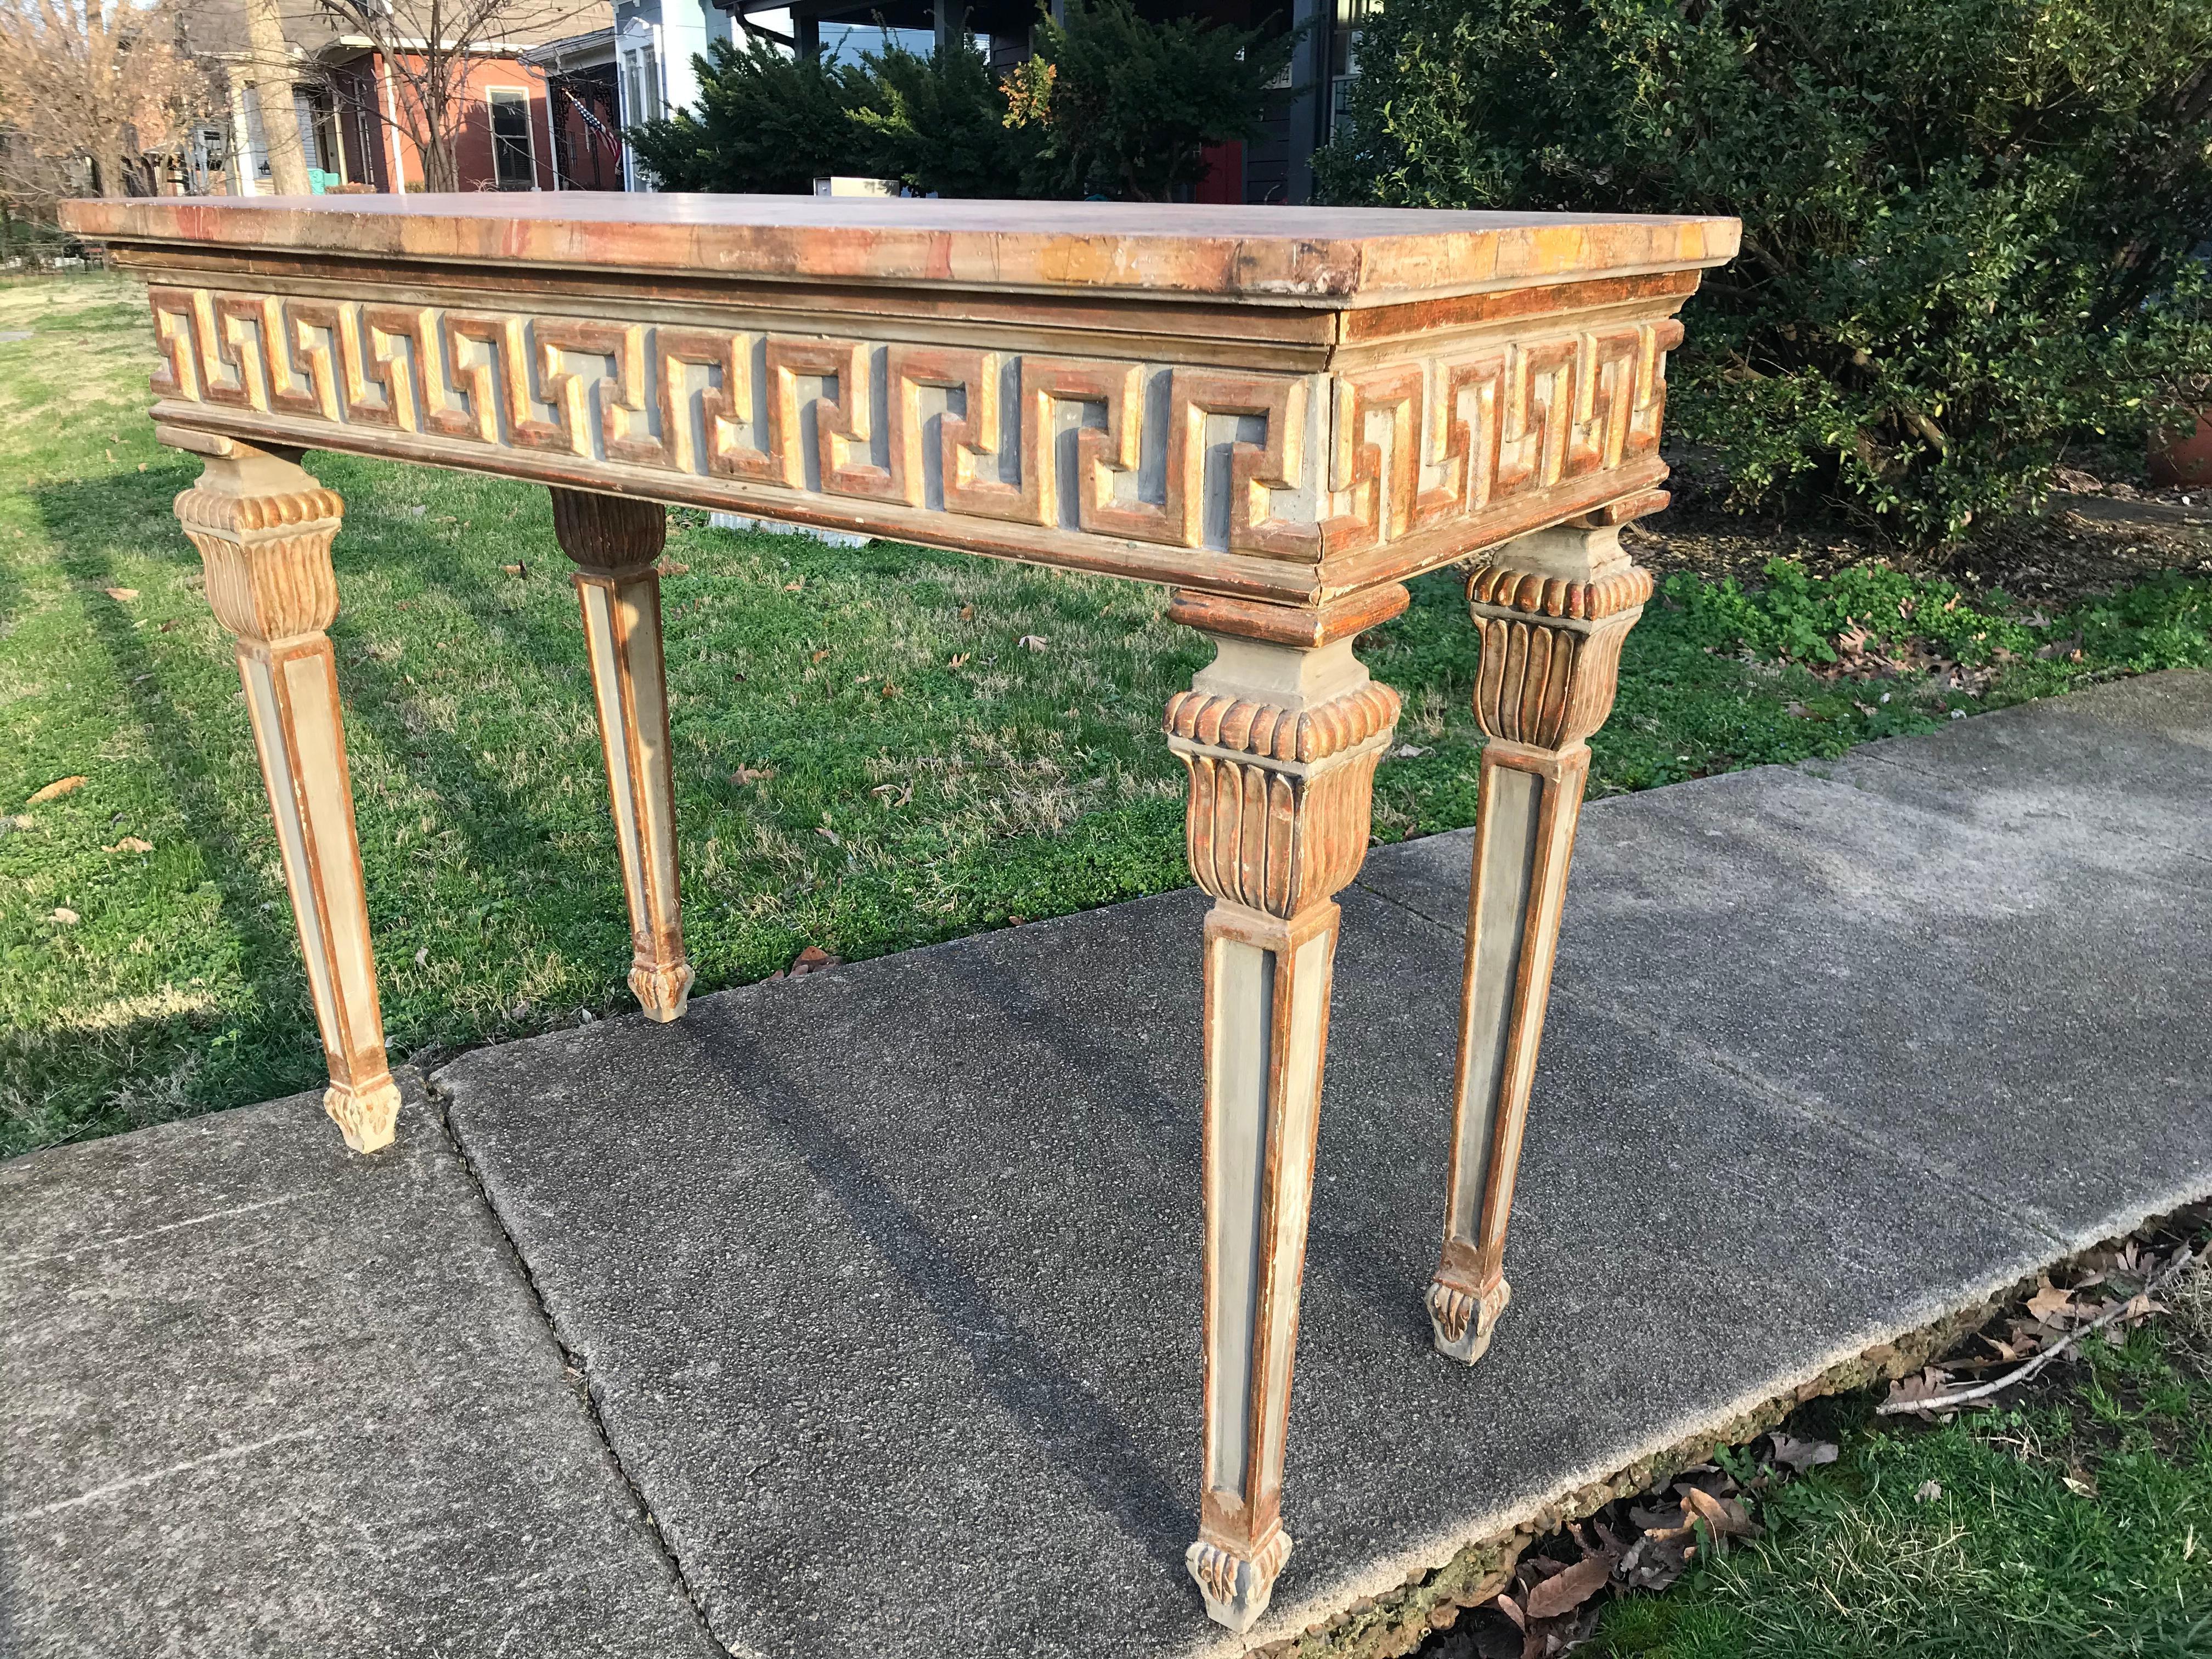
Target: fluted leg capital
1281, 743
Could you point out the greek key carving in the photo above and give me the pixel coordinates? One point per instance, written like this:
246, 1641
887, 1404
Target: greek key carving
1277, 465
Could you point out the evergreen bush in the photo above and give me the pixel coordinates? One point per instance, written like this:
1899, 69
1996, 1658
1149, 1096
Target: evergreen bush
1972, 229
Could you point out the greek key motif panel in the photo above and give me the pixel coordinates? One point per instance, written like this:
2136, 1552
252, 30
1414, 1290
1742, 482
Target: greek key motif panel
1277, 466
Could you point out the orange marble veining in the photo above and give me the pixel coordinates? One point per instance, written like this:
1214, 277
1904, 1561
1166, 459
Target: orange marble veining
1363, 255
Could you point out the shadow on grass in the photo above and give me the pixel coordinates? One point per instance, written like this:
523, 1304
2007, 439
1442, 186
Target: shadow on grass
81, 519
275, 1049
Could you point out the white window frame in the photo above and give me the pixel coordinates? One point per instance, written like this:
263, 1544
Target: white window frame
639, 62
529, 133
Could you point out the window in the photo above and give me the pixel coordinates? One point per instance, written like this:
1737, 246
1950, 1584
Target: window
641, 74
514, 165
639, 90
1351, 16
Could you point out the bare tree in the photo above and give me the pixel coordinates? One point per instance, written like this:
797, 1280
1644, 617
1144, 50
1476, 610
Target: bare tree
429, 48
97, 83
268, 62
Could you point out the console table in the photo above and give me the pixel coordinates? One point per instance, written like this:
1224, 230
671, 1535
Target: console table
1279, 413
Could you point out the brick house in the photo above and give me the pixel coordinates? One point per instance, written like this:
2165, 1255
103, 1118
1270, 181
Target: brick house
532, 115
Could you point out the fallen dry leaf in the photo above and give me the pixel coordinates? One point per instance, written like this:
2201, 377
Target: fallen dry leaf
1565, 1590
670, 567
1511, 1609
812, 960
967, 613
2048, 1301
794, 587
893, 794
1927, 1491
889, 690
1725, 1518
422, 956
516, 569
1655, 1561
64, 914
1032, 642
1925, 1387
129, 844
1802, 1455
55, 791
959, 659
123, 595
753, 775
1546, 1638
820, 655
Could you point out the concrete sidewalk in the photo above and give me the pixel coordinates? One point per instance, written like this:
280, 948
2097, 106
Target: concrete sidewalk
857, 1315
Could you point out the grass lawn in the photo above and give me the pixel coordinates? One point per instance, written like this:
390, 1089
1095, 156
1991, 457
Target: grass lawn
866, 757
2073, 1522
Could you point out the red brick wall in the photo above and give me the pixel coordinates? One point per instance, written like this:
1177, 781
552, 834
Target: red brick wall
472, 147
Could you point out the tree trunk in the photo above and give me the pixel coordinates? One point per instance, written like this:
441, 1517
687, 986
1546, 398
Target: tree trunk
271, 70
108, 175
440, 168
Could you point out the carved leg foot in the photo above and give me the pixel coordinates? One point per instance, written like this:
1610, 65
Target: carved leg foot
1463, 1320
1552, 617
615, 541
1281, 743
1236, 1589
263, 530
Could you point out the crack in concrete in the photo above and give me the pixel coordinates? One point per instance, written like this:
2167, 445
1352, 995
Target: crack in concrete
576, 1368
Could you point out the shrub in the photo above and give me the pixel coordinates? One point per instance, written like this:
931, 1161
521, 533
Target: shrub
771, 123
767, 123
937, 123
1126, 106
1968, 224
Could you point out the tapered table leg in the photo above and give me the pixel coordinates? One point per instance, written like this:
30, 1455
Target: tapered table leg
1281, 743
615, 541
263, 529
1551, 616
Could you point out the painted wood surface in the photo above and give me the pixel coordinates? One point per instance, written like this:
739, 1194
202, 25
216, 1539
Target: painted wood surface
1281, 414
